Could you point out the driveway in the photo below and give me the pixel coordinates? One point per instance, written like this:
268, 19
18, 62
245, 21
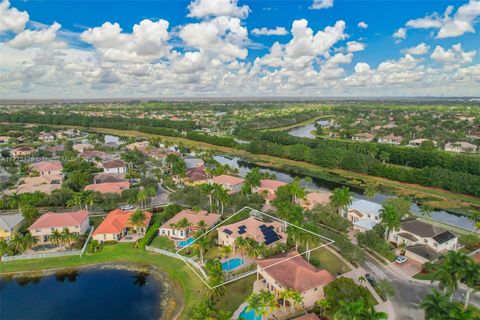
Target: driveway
410, 267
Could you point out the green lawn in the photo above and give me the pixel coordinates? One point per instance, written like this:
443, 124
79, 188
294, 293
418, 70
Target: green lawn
164, 243
96, 220
324, 259
194, 290
213, 253
236, 294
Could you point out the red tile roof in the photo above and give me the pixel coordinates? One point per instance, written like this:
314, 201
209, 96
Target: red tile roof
113, 164
45, 166
60, 220
193, 217
271, 184
109, 187
295, 273
309, 316
226, 179
117, 220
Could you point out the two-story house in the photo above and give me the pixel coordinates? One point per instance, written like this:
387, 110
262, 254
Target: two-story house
76, 222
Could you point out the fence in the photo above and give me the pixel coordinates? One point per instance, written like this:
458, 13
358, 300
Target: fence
174, 255
50, 254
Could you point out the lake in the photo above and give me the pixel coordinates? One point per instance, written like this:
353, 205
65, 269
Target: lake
443, 216
82, 294
303, 131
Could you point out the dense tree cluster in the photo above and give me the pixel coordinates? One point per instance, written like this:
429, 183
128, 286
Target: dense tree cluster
216, 140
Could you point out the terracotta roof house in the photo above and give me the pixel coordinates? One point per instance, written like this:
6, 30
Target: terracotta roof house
81, 147
55, 149
103, 177
231, 183
170, 230
22, 151
9, 225
461, 147
109, 187
314, 198
114, 166
196, 176
269, 233
137, 145
46, 136
44, 184
423, 241
269, 187
48, 167
367, 137
93, 154
117, 225
390, 139
4, 139
418, 142
76, 222
291, 271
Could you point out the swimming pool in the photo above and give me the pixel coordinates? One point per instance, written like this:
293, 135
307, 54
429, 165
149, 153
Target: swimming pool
184, 243
232, 264
248, 315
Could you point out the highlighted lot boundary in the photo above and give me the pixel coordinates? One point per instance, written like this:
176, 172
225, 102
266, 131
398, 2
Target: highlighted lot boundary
249, 273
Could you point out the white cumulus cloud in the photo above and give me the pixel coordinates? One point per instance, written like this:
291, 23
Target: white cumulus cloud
362, 25
217, 8
321, 4
354, 46
454, 55
419, 49
400, 34
11, 19
278, 31
45, 38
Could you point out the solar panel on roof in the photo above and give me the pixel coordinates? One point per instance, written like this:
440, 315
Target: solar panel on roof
242, 227
262, 226
242, 231
227, 231
444, 237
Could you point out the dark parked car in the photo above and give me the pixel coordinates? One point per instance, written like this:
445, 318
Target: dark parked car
370, 279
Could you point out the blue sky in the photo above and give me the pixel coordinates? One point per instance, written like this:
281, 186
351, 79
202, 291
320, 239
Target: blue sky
243, 65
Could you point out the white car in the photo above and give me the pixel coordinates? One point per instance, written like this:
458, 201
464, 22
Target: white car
401, 259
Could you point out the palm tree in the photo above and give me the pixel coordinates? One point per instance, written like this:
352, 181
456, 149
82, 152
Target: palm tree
471, 277
341, 198
323, 305
56, 237
252, 180
202, 225
350, 310
255, 303
137, 219
227, 251
285, 295
294, 234
296, 301
221, 195
16, 244
89, 200
203, 311
434, 305
200, 244
370, 313
390, 219
296, 189
151, 192
240, 244
370, 192
142, 196
76, 200
209, 188
308, 239
269, 302
29, 241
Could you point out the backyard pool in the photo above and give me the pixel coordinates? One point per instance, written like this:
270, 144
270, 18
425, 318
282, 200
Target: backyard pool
248, 315
232, 264
184, 243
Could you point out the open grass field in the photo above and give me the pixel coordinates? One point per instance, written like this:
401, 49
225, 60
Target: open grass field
237, 292
324, 259
163, 243
193, 289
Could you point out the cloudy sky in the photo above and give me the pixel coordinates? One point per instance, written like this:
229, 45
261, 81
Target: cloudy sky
160, 48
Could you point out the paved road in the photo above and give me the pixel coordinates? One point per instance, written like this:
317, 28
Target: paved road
408, 294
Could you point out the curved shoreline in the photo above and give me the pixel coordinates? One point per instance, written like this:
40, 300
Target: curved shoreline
171, 299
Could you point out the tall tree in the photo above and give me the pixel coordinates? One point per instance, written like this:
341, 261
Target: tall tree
341, 199
390, 219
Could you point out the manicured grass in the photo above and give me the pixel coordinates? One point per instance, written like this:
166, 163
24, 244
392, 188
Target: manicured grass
236, 293
194, 290
96, 220
164, 243
213, 253
324, 259
423, 276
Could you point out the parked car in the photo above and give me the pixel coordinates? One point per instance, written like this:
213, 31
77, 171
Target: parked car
370, 279
127, 207
401, 259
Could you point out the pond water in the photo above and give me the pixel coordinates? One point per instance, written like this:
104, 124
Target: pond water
303, 131
324, 185
109, 138
83, 294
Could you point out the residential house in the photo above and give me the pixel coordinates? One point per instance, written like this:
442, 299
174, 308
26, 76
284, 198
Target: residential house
117, 225
365, 137
171, 230
291, 271
423, 242
108, 187
44, 184
390, 139
142, 145
314, 198
81, 147
114, 166
22, 152
45, 168
76, 222
269, 188
193, 163
67, 134
9, 225
103, 177
196, 176
93, 155
268, 233
363, 214
461, 147
4, 139
418, 142
46, 137
56, 149
230, 183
